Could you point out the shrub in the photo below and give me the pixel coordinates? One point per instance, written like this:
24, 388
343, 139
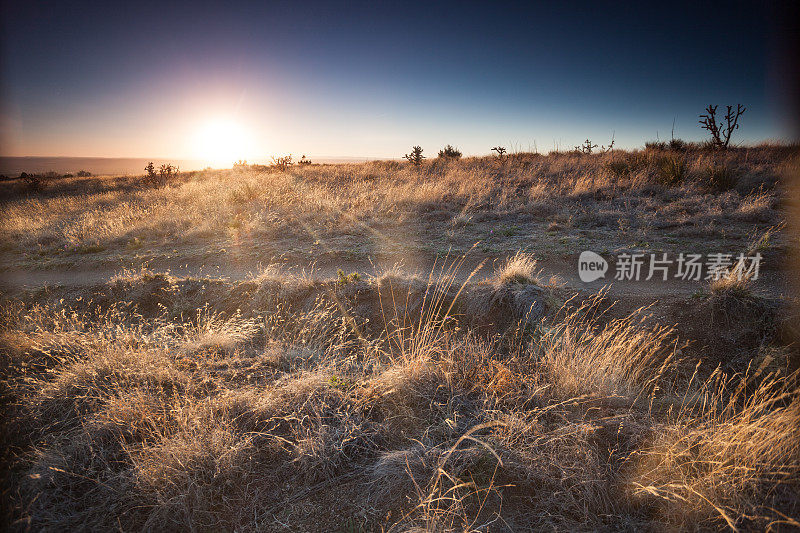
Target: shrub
671, 170
450, 152
718, 178
83, 174
415, 157
345, 279
303, 161
678, 145
282, 163
33, 182
586, 147
655, 145
165, 174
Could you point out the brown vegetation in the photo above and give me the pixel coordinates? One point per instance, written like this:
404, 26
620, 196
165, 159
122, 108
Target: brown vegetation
154, 402
398, 402
659, 197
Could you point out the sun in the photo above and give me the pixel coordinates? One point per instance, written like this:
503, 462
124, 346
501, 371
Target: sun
220, 142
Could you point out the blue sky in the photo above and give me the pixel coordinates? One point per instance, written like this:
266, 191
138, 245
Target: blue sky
371, 79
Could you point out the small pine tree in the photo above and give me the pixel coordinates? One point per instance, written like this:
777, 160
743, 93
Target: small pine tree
450, 152
151, 178
415, 157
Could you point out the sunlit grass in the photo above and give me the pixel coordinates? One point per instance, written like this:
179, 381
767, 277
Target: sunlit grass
317, 202
379, 398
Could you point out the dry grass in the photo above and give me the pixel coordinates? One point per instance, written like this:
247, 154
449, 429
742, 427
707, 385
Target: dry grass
731, 284
521, 268
438, 403
728, 451
623, 358
274, 417
381, 205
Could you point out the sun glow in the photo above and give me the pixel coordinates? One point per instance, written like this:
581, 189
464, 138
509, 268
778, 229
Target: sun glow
222, 141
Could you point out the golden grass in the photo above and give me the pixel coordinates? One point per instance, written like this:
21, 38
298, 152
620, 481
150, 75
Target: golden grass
389, 403
256, 420
520, 268
623, 358
234, 206
728, 451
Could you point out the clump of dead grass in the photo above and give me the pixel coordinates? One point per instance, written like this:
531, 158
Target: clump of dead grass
624, 357
213, 334
731, 285
520, 268
729, 455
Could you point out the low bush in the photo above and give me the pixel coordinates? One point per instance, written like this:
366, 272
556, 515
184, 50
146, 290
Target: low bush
718, 178
678, 145
655, 145
670, 170
281, 164
166, 173
450, 152
33, 182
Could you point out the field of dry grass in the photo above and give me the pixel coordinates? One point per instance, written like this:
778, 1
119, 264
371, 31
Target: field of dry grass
448, 401
553, 205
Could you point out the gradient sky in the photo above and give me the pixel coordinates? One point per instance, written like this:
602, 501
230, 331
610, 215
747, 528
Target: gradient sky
141, 79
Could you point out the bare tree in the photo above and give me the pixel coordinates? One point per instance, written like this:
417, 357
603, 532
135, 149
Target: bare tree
721, 134
610, 147
501, 151
586, 147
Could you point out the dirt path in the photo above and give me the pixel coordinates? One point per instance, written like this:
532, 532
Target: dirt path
771, 282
